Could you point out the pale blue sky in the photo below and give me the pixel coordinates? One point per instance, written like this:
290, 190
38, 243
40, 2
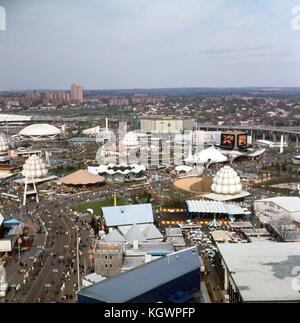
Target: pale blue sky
148, 43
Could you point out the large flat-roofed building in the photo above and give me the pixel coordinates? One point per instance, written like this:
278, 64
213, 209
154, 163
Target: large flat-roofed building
261, 272
165, 124
153, 282
278, 207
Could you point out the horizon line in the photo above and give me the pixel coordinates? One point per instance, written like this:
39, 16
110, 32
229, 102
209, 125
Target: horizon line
157, 88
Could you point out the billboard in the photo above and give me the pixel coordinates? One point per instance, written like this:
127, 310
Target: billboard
242, 141
227, 141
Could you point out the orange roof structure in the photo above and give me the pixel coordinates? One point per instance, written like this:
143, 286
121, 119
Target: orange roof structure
81, 177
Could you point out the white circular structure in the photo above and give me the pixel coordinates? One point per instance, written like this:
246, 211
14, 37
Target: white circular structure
227, 182
40, 132
122, 172
4, 145
34, 167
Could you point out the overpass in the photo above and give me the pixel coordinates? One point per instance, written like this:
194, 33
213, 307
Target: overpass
259, 132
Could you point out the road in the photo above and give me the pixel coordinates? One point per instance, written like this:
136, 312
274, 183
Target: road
282, 130
51, 270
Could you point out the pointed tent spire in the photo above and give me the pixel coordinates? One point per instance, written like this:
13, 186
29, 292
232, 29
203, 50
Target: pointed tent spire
114, 236
134, 234
152, 233
214, 224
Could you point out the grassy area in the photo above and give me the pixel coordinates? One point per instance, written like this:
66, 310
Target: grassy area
61, 171
283, 180
282, 191
97, 205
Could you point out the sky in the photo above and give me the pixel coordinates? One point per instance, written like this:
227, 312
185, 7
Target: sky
121, 44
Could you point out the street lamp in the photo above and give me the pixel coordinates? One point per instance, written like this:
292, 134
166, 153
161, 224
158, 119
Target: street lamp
77, 252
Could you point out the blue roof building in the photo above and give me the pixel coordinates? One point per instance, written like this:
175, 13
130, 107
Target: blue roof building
152, 282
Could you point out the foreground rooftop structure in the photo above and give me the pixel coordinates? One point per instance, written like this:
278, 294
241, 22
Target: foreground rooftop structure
153, 282
260, 272
278, 207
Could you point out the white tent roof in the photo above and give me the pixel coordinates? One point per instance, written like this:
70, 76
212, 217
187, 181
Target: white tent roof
210, 154
134, 234
214, 224
151, 232
114, 236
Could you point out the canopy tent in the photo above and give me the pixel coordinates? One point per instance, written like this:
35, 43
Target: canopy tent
81, 177
210, 155
215, 207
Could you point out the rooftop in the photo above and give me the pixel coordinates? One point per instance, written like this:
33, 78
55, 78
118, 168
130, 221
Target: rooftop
153, 248
288, 203
128, 215
263, 271
173, 232
215, 207
144, 278
81, 177
152, 233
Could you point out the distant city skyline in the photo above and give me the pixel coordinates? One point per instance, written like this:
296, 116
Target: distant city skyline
148, 44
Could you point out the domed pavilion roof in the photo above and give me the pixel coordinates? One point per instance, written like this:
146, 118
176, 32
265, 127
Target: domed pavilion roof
34, 167
227, 182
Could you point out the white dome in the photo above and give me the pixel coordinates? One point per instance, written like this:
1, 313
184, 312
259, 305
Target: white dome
226, 182
4, 145
130, 139
34, 167
40, 130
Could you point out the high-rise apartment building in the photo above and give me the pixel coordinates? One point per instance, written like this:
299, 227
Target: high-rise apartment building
76, 94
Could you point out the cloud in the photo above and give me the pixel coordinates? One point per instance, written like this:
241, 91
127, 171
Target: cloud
258, 50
